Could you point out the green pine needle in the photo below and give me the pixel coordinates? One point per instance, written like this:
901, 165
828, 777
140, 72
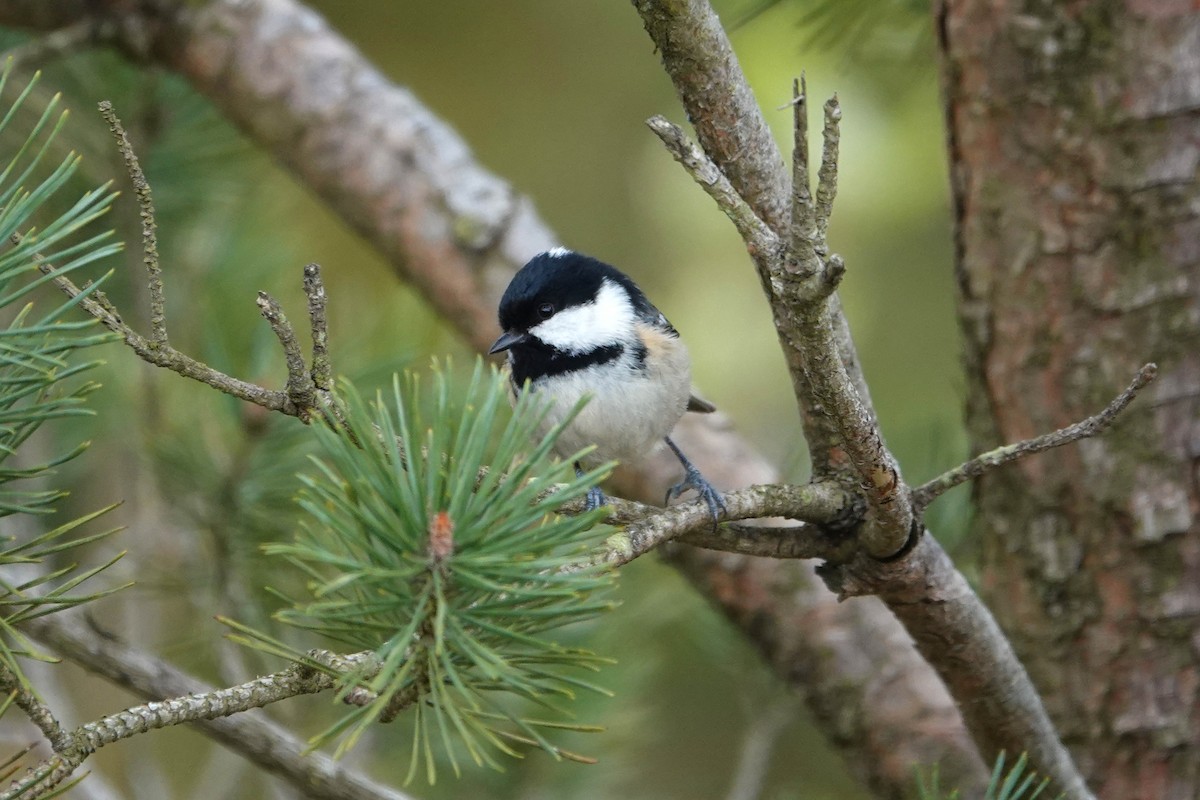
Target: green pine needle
1018, 783
432, 540
39, 370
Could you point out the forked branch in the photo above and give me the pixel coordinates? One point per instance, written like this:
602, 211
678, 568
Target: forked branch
807, 279
307, 389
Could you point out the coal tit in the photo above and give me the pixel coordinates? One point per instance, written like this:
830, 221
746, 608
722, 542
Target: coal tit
575, 326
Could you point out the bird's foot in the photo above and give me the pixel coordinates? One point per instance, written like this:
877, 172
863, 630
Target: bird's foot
694, 480
595, 499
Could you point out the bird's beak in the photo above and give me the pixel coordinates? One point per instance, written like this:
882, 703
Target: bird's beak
507, 340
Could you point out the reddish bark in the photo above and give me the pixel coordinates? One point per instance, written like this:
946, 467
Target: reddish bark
1075, 139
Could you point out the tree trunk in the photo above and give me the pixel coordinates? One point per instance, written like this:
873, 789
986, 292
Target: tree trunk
1074, 143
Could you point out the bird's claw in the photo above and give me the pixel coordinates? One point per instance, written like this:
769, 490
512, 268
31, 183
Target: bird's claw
595, 499
694, 480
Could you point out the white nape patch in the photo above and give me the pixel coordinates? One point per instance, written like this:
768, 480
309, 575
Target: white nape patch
607, 320
558, 252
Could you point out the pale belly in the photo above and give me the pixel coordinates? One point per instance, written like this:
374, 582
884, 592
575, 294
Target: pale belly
626, 419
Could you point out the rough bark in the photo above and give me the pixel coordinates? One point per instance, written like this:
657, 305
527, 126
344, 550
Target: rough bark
1075, 139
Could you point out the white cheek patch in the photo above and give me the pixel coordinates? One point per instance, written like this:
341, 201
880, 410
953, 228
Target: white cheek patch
606, 321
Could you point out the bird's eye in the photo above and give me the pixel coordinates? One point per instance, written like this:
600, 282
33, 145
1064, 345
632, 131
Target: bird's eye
546, 310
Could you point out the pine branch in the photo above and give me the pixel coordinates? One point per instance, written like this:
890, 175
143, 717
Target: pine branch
826, 507
37, 711
986, 462
303, 396
254, 738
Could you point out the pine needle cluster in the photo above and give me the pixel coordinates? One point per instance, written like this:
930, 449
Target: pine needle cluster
40, 376
433, 541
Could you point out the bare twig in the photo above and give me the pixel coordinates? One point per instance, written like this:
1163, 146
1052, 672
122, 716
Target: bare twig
303, 395
314, 290
141, 188
167, 356
986, 462
300, 388
801, 190
827, 175
697, 55
37, 711
759, 238
255, 738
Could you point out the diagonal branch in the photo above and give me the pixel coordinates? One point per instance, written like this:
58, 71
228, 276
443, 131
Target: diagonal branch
37, 711
141, 188
986, 462
255, 738
958, 635
193, 707
759, 238
166, 356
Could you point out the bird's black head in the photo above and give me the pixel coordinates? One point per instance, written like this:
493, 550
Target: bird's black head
567, 301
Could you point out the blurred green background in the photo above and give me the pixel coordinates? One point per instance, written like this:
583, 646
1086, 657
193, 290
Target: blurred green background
552, 96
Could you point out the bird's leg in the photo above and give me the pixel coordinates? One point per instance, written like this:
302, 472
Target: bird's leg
595, 497
692, 479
